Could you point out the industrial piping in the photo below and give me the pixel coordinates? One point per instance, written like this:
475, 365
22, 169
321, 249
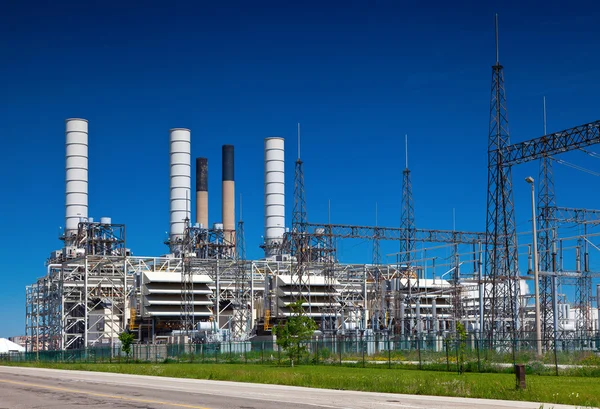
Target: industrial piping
274, 194
180, 141
228, 197
202, 192
76, 196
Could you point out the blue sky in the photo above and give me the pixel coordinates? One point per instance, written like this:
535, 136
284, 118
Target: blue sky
356, 75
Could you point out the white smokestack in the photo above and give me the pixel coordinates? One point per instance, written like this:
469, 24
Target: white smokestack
76, 174
180, 182
274, 193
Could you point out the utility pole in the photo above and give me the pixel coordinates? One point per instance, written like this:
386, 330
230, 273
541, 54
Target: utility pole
538, 327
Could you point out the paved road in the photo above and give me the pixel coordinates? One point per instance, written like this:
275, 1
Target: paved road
22, 388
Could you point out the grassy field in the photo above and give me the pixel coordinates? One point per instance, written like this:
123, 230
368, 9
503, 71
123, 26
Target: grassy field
579, 391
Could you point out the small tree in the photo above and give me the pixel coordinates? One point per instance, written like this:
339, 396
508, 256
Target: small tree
461, 339
126, 339
292, 335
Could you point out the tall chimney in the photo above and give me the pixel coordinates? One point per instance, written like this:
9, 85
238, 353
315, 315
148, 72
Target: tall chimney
274, 194
76, 197
228, 201
180, 141
202, 191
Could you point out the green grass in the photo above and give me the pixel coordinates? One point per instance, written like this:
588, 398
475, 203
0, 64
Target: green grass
580, 391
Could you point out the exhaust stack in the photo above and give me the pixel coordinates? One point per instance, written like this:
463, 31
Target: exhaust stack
228, 198
76, 192
180, 141
202, 192
274, 194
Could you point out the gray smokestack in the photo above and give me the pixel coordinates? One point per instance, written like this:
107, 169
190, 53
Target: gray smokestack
202, 191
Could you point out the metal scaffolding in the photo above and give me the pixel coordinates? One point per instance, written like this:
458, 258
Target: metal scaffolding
82, 301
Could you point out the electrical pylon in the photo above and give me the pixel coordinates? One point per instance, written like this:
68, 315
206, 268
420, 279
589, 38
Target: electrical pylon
407, 217
241, 297
502, 279
548, 227
300, 239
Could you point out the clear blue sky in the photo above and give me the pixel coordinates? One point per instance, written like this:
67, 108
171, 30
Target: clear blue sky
357, 76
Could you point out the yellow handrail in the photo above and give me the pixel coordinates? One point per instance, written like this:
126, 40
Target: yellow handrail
268, 325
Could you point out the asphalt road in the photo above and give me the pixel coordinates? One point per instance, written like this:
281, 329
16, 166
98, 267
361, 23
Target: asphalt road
22, 388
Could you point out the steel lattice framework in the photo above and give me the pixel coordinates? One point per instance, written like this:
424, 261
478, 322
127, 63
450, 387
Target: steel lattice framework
501, 300
346, 231
501, 289
82, 301
241, 298
300, 240
548, 228
407, 220
550, 217
187, 285
552, 144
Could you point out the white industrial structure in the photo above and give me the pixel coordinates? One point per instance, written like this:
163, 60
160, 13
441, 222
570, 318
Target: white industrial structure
94, 289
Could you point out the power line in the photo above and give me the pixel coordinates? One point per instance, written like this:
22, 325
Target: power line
577, 167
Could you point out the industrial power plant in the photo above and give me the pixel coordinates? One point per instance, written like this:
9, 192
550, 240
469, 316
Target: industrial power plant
203, 289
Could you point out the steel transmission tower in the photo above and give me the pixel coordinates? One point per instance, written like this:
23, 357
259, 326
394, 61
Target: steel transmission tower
379, 313
300, 239
407, 218
548, 228
502, 278
241, 298
583, 289
376, 258
187, 282
299, 219
241, 242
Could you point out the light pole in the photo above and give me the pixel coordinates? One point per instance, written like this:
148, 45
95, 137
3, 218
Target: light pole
536, 285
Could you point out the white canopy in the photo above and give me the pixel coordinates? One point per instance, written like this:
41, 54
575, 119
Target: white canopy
7, 346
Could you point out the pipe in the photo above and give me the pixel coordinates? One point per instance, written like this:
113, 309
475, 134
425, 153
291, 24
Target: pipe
76, 192
418, 316
481, 289
202, 192
180, 141
274, 194
435, 326
402, 315
228, 197
554, 294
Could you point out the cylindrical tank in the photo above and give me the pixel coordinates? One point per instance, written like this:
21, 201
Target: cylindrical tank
105, 220
274, 193
228, 194
76, 196
202, 192
180, 141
